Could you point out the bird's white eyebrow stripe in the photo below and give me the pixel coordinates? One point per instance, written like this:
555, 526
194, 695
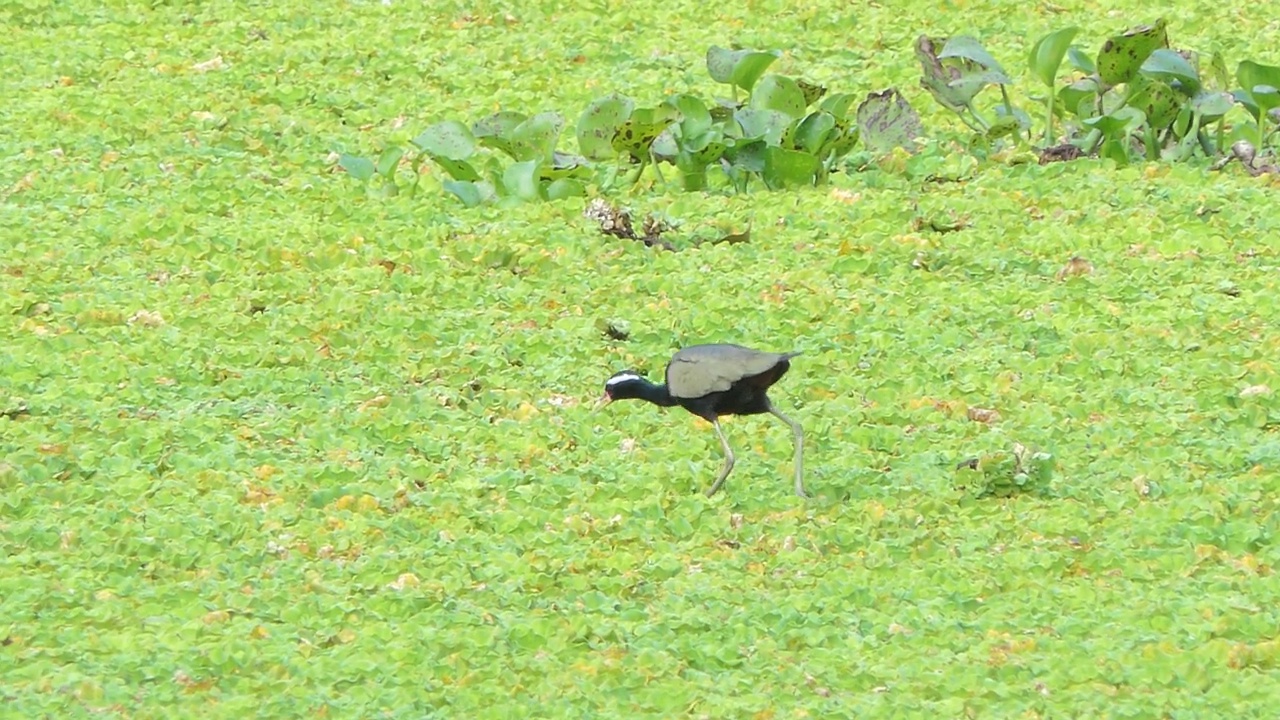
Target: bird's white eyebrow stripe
621, 378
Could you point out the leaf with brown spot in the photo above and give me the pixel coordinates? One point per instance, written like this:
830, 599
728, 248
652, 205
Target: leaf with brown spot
983, 415
1075, 266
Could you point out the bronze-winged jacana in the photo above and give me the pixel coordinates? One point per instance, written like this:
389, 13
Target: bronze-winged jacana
714, 380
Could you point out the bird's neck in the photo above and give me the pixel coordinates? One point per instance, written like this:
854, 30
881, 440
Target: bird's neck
657, 394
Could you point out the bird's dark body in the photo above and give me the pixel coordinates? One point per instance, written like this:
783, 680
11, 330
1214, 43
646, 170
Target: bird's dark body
747, 393
714, 380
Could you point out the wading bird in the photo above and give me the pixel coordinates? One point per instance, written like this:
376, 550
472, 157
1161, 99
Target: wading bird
714, 380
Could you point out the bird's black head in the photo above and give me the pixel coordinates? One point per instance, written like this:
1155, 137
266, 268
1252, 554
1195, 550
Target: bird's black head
624, 385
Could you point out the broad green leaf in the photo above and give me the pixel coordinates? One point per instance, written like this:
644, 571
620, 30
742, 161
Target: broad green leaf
1115, 148
784, 168
886, 121
521, 180
776, 92
636, 135
389, 161
969, 48
813, 132
841, 141
938, 76
565, 165
1157, 100
1018, 115
695, 119
1080, 97
1261, 83
1080, 61
471, 194
767, 124
739, 67
838, 105
1004, 126
1118, 124
1170, 66
693, 172
812, 91
1121, 56
666, 147
1046, 55
748, 155
449, 139
564, 188
536, 137
457, 169
495, 130
598, 123
360, 168
1212, 104
1218, 74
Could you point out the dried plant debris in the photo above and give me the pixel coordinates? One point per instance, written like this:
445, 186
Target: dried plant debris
614, 328
1060, 153
1075, 266
616, 221
1244, 151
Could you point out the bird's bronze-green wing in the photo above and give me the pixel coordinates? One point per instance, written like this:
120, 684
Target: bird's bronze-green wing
702, 369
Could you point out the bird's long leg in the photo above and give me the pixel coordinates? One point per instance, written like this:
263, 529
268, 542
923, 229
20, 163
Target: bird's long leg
728, 459
799, 436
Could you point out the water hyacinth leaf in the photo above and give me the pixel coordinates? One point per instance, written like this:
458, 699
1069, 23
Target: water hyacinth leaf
1173, 68
521, 180
972, 83
814, 130
536, 137
1212, 104
1004, 126
840, 142
472, 194
938, 77
1080, 61
1121, 56
968, 48
389, 161
1018, 115
360, 168
565, 165
635, 136
1218, 75
457, 169
494, 131
1118, 124
666, 147
741, 68
1261, 83
748, 155
886, 121
449, 139
1046, 55
706, 147
598, 123
695, 118
838, 105
1080, 97
784, 168
812, 91
763, 123
776, 92
693, 166
565, 188
1157, 100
